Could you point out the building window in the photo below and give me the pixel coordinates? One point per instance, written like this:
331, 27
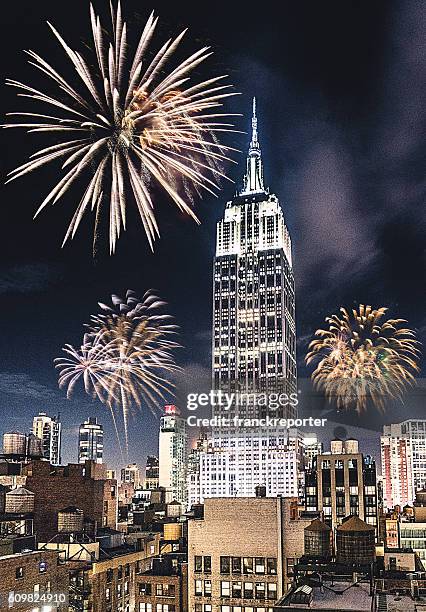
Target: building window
207, 588
145, 588
108, 594
271, 566
248, 590
109, 575
199, 588
198, 564
145, 607
237, 590
260, 590
19, 573
272, 590
225, 565
42, 567
260, 565
120, 572
236, 565
247, 565
127, 570
207, 565
165, 590
225, 589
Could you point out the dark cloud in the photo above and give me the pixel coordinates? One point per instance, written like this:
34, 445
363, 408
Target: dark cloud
28, 278
21, 384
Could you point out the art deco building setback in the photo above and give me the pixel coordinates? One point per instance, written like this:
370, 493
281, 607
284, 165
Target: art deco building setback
239, 552
254, 337
254, 348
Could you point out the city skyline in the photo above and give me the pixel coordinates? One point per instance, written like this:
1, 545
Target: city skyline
321, 172
212, 393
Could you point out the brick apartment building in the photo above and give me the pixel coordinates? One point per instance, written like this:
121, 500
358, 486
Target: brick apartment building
57, 487
35, 572
164, 588
113, 580
237, 553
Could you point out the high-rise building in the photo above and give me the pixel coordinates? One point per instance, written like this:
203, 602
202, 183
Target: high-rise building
342, 483
254, 332
241, 464
403, 450
131, 473
254, 347
151, 473
91, 441
48, 430
173, 442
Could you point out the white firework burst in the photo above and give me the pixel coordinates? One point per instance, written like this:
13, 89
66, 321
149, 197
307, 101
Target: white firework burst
127, 125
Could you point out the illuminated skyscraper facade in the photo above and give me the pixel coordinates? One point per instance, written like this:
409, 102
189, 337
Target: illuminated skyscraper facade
173, 442
254, 348
48, 430
90, 441
254, 333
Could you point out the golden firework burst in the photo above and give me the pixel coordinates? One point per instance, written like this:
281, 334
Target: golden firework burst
363, 355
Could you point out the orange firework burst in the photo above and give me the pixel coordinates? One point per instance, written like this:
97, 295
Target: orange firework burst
363, 355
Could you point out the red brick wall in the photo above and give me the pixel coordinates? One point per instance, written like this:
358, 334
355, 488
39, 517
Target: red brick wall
56, 488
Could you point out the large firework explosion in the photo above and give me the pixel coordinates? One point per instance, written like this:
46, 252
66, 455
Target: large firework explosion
126, 354
362, 355
127, 125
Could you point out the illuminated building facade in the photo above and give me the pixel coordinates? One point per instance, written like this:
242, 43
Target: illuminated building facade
254, 334
173, 454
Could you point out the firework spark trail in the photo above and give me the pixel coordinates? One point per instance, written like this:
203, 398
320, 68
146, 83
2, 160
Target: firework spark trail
91, 363
131, 124
361, 355
125, 357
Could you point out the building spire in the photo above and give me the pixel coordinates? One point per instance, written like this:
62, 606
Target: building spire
253, 179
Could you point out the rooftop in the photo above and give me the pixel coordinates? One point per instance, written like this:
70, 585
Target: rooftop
355, 524
342, 596
318, 525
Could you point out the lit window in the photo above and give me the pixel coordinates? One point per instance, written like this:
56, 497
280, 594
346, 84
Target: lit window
225, 589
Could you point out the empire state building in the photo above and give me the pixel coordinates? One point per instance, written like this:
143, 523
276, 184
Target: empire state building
254, 349
254, 333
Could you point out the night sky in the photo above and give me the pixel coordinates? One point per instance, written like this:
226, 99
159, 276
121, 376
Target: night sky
340, 91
